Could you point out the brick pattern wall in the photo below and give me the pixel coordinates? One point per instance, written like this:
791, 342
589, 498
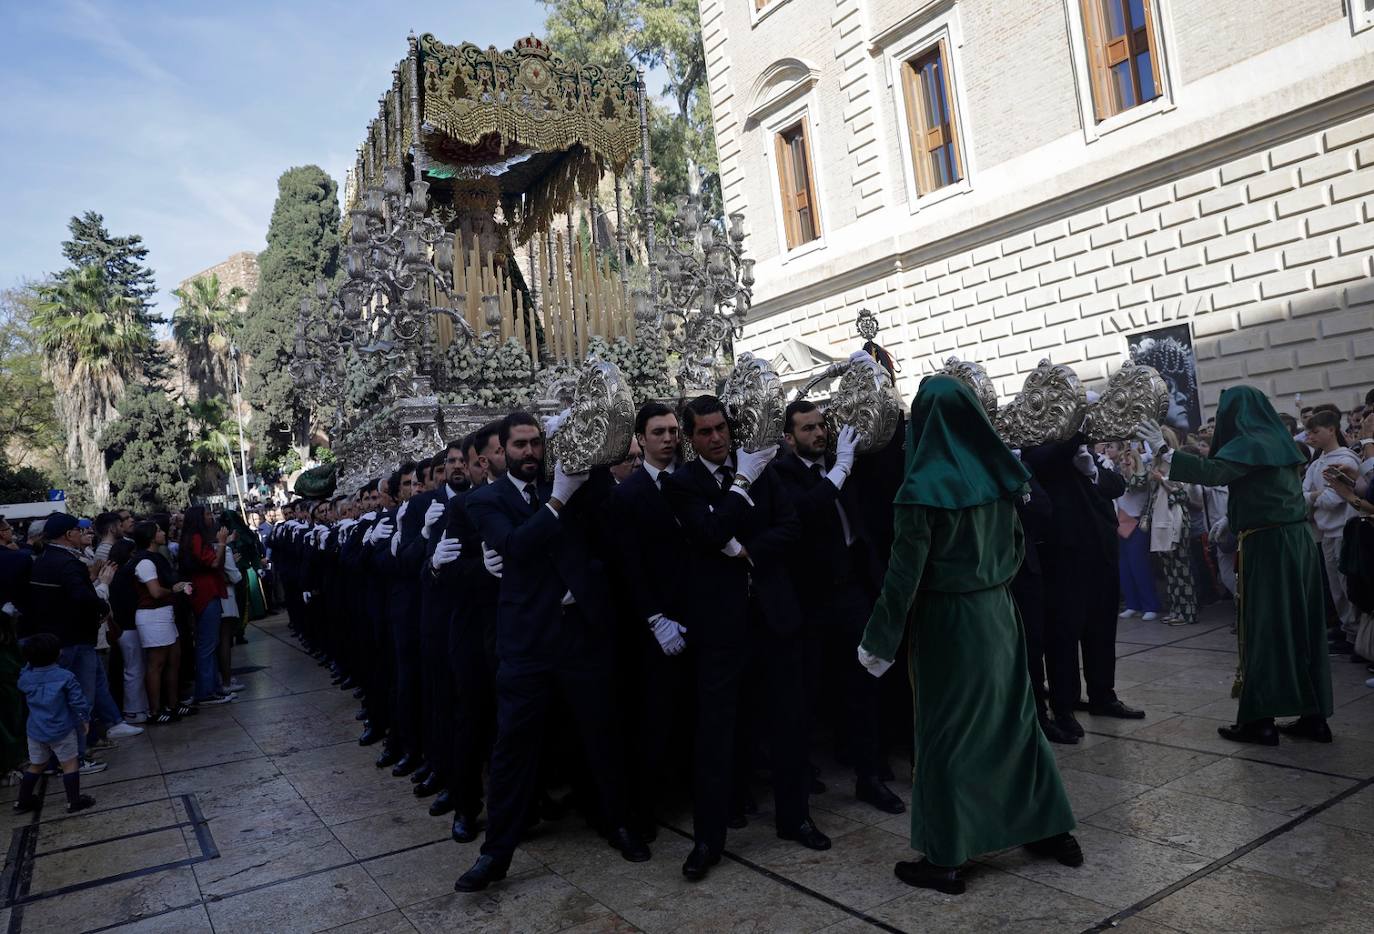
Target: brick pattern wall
1203, 47
1269, 257
859, 104
240, 270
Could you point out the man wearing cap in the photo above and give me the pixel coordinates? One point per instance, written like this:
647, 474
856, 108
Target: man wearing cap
63, 600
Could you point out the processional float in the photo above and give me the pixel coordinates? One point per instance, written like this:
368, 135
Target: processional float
468, 289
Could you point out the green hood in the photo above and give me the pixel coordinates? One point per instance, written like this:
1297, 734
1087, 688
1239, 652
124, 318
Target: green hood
1249, 431
954, 457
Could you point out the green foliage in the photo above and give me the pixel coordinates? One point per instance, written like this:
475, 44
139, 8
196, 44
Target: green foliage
302, 245
146, 448
121, 259
21, 484
28, 418
204, 325
86, 319
662, 34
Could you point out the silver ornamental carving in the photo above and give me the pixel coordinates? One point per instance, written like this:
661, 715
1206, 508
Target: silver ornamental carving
1135, 393
754, 401
598, 429
866, 400
976, 378
1050, 407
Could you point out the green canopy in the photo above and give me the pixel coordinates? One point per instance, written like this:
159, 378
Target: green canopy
1249, 432
954, 457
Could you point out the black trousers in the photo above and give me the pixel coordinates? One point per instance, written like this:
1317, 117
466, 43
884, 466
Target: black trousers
1080, 611
436, 703
837, 686
717, 670
524, 696
471, 668
407, 688
784, 662
658, 693
1028, 590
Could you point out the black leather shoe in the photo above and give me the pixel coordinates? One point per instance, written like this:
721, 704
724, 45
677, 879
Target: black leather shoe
361, 714
646, 830
358, 693
817, 787
871, 791
1069, 724
630, 846
441, 805
466, 828
1313, 728
421, 774
699, 862
348, 684
1116, 709
369, 737
430, 786
927, 875
1260, 732
388, 758
482, 874
1061, 847
736, 820
405, 766
807, 835
1055, 734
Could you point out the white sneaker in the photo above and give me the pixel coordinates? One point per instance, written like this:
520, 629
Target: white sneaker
1128, 614
124, 729
91, 766
215, 700
234, 685
135, 718
1149, 616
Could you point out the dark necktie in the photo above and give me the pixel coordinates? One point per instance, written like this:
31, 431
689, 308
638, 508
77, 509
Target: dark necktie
819, 470
726, 476
532, 494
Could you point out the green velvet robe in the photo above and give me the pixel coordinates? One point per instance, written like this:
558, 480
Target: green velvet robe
985, 778
1284, 668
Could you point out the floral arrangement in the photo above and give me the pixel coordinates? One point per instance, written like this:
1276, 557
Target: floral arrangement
488, 372
644, 365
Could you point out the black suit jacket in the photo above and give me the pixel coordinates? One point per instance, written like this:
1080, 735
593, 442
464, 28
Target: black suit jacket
1084, 514
821, 556
546, 556
717, 587
652, 548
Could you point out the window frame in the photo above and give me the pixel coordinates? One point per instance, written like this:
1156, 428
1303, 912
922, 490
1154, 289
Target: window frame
915, 95
908, 42
1361, 15
784, 150
1159, 28
799, 110
760, 10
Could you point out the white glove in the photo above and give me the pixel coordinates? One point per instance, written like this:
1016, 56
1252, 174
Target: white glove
1149, 433
492, 561
446, 551
305, 596
554, 422
566, 484
381, 531
395, 544
875, 665
433, 514
400, 513
859, 356
1085, 462
668, 633
750, 466
846, 443
9, 609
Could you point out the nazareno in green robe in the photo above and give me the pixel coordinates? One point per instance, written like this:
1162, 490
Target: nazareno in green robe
1284, 669
984, 776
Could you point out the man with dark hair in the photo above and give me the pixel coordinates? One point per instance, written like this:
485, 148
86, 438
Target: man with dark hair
837, 578
406, 737
1329, 513
554, 631
486, 458
739, 528
107, 526
651, 554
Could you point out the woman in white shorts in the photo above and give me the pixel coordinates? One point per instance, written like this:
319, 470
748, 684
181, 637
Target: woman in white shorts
156, 622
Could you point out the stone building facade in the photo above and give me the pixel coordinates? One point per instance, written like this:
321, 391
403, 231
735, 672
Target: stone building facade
240, 270
1236, 198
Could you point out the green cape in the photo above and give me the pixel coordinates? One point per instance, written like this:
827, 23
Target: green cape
1249, 431
954, 457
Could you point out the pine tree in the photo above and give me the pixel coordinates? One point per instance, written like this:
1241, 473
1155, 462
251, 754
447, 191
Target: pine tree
146, 448
122, 260
302, 245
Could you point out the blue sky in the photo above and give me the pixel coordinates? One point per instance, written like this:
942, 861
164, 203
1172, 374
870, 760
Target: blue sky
175, 119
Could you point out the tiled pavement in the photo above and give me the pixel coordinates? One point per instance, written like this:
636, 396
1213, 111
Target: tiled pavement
265, 815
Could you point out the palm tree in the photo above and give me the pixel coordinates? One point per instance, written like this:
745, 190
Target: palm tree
213, 435
91, 338
204, 325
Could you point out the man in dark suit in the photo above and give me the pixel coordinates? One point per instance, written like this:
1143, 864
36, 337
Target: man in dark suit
402, 590
739, 529
471, 649
553, 631
354, 558
652, 553
837, 578
1079, 560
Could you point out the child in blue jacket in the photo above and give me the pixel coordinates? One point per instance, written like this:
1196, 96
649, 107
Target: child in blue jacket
57, 709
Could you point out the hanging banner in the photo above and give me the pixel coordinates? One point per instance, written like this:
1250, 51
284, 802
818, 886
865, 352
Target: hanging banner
1170, 351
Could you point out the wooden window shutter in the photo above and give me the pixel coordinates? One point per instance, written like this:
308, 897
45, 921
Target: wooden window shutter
1153, 38
952, 111
786, 186
808, 189
1095, 43
911, 94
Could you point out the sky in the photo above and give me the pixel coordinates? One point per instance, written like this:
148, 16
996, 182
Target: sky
174, 119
